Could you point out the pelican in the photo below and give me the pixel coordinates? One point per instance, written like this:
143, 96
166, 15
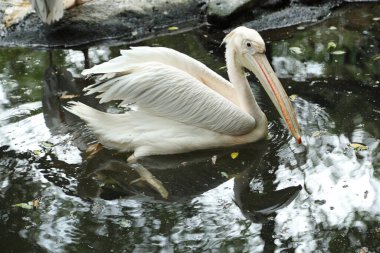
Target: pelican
179, 104
50, 11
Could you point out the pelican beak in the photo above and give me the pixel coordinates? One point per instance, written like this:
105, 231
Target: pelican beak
259, 65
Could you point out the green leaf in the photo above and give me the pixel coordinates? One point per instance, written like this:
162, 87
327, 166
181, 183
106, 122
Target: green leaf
331, 45
172, 28
37, 152
47, 144
123, 222
23, 205
295, 50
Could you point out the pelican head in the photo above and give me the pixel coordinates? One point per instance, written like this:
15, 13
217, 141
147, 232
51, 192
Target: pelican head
248, 48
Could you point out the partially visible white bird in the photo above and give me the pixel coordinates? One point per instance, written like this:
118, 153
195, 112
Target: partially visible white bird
50, 11
180, 104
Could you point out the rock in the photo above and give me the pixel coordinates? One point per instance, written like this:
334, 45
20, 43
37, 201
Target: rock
105, 20
274, 3
223, 9
289, 16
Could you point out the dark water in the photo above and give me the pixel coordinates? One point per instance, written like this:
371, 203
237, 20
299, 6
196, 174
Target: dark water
89, 205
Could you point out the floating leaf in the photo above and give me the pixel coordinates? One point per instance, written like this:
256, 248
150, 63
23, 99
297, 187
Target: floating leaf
331, 45
46, 145
318, 134
224, 174
234, 155
36, 203
300, 28
23, 205
293, 97
332, 28
376, 57
92, 150
358, 146
68, 96
338, 52
172, 28
124, 223
295, 50
37, 152
376, 19
213, 159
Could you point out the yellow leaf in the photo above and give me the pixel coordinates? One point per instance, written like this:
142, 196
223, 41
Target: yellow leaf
172, 28
338, 52
293, 97
377, 57
358, 146
68, 96
234, 155
35, 203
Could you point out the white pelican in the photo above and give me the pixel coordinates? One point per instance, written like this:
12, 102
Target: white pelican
180, 105
50, 11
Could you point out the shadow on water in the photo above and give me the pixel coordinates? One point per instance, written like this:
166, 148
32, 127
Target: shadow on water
274, 196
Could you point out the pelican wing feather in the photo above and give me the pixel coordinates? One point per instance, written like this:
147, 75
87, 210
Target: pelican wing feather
167, 56
166, 91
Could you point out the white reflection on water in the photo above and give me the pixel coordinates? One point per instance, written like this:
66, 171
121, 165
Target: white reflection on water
76, 59
286, 67
338, 183
18, 111
27, 135
59, 223
3, 97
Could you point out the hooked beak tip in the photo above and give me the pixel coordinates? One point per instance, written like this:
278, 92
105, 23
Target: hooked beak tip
299, 141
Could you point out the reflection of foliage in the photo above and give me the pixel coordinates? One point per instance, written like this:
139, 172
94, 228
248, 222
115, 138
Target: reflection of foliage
23, 68
357, 35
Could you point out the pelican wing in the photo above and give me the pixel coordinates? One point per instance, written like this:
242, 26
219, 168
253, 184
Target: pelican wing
171, 57
169, 92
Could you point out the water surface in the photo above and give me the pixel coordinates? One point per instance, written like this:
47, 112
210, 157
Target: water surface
88, 204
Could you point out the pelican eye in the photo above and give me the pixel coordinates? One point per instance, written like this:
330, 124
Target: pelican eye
249, 44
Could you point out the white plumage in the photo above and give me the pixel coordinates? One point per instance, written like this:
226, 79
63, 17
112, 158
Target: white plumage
50, 11
181, 104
